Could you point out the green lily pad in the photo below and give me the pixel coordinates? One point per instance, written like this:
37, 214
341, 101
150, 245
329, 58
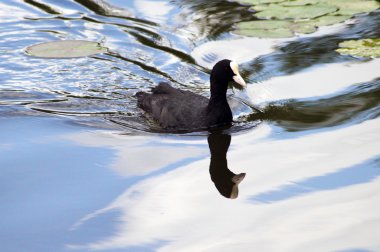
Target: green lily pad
274, 28
265, 28
256, 2
360, 48
65, 49
285, 28
260, 7
304, 27
351, 7
300, 2
300, 16
264, 24
329, 20
262, 33
296, 12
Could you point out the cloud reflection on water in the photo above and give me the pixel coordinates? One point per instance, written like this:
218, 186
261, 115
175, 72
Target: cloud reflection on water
181, 207
154, 10
141, 155
332, 78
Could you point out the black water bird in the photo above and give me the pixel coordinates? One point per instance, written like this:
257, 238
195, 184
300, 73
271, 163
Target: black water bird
176, 109
225, 180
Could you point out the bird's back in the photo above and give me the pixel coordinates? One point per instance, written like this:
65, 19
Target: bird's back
174, 108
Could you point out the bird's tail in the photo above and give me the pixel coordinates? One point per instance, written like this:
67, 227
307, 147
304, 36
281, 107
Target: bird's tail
143, 100
141, 96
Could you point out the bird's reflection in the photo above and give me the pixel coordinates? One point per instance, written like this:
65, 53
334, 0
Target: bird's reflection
225, 180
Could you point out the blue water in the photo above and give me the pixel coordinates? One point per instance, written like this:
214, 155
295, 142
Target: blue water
83, 169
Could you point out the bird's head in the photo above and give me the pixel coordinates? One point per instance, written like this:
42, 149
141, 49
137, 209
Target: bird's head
227, 71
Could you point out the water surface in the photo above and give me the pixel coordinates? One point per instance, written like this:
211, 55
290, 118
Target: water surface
82, 168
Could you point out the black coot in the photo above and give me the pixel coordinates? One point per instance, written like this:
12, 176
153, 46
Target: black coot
176, 109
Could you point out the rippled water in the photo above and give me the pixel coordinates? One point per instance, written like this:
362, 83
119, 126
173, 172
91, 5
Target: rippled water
83, 169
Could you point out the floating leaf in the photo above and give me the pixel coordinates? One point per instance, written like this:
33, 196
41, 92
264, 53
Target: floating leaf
261, 33
264, 24
256, 2
65, 49
304, 27
300, 2
301, 16
274, 28
296, 12
329, 20
260, 7
285, 28
265, 28
361, 48
350, 7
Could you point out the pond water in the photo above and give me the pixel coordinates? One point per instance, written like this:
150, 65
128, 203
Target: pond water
82, 168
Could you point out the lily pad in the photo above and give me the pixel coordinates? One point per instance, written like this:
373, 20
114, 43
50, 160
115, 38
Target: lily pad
285, 28
296, 12
65, 49
261, 7
264, 24
262, 33
256, 2
265, 28
300, 16
274, 28
300, 2
351, 7
361, 48
329, 20
304, 27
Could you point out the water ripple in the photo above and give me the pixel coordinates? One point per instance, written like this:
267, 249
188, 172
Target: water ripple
143, 52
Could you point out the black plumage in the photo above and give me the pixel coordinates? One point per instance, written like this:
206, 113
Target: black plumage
225, 180
176, 109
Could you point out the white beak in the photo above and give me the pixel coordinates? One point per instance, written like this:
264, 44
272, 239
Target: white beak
237, 78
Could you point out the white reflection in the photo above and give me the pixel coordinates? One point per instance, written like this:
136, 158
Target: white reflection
140, 155
304, 84
154, 10
6, 146
10, 13
239, 50
183, 207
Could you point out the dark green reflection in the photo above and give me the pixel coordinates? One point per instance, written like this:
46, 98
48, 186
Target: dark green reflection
44, 7
215, 18
355, 105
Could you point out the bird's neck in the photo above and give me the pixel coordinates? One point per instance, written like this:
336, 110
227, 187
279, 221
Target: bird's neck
218, 110
218, 88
